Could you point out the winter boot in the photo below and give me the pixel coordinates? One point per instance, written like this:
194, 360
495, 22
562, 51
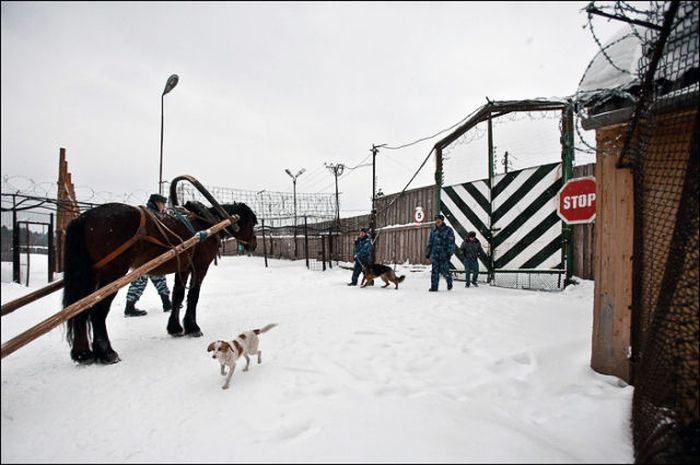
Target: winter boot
130, 310
432, 289
167, 306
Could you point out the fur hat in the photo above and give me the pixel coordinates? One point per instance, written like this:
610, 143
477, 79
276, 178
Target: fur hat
157, 198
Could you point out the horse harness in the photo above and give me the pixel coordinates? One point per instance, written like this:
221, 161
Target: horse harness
141, 234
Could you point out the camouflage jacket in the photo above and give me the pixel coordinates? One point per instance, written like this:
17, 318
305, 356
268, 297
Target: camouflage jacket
441, 244
363, 249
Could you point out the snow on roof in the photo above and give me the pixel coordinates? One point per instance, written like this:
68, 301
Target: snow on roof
614, 73
625, 50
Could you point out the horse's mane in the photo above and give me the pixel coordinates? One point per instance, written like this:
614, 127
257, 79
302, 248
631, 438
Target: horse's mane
244, 211
247, 216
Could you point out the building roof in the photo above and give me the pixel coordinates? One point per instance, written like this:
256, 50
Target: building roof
613, 78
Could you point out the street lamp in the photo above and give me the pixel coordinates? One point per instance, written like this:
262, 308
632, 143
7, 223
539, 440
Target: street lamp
169, 85
294, 181
259, 193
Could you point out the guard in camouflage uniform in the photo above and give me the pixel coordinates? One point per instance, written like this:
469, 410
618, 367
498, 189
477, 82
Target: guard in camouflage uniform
471, 248
363, 252
441, 246
156, 202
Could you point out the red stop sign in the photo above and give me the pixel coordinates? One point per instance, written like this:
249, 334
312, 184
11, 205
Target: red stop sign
577, 201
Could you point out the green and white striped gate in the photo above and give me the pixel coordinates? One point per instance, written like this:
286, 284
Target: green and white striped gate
516, 221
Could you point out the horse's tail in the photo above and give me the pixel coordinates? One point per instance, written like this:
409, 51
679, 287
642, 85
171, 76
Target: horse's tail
78, 276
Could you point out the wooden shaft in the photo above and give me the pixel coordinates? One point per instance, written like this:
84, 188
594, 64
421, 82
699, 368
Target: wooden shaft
13, 305
90, 300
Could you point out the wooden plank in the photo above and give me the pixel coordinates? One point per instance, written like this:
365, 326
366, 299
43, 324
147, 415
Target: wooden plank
86, 302
612, 257
13, 305
623, 291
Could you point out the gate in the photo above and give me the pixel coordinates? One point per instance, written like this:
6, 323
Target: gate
517, 224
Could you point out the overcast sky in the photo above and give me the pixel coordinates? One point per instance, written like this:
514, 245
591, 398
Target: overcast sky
268, 86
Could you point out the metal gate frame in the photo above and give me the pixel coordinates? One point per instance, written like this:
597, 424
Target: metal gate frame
488, 112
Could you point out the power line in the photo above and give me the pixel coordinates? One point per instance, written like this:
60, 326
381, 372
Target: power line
409, 182
422, 139
314, 175
348, 170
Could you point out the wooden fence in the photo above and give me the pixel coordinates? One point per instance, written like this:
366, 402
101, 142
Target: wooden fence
584, 235
66, 209
400, 239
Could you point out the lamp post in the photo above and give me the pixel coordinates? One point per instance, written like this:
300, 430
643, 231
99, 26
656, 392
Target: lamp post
259, 193
169, 85
294, 181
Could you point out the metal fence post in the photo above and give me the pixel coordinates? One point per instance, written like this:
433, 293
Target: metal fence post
330, 248
15, 246
28, 246
264, 242
52, 252
306, 242
567, 173
492, 265
323, 252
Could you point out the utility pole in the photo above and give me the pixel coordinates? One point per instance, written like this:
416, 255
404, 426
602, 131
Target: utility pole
374, 179
337, 170
373, 217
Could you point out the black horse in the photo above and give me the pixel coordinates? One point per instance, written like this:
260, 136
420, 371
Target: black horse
102, 245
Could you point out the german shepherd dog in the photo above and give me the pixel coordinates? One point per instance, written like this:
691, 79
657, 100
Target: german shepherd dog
380, 271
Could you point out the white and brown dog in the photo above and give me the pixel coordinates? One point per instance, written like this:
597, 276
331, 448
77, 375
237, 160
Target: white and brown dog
229, 352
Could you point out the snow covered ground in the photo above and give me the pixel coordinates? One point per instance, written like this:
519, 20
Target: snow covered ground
38, 270
350, 375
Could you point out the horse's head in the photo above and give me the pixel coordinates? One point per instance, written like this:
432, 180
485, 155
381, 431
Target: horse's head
246, 223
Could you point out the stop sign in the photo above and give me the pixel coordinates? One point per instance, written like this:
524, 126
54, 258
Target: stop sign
577, 201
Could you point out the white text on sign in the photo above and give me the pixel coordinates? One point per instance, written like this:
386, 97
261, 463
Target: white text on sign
578, 201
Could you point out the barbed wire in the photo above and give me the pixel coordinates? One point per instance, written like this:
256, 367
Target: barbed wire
33, 195
269, 205
600, 45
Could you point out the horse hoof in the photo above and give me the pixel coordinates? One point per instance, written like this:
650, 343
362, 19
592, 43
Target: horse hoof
110, 358
83, 358
176, 332
195, 333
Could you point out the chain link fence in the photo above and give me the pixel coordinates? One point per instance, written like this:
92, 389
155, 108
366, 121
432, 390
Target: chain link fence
661, 148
